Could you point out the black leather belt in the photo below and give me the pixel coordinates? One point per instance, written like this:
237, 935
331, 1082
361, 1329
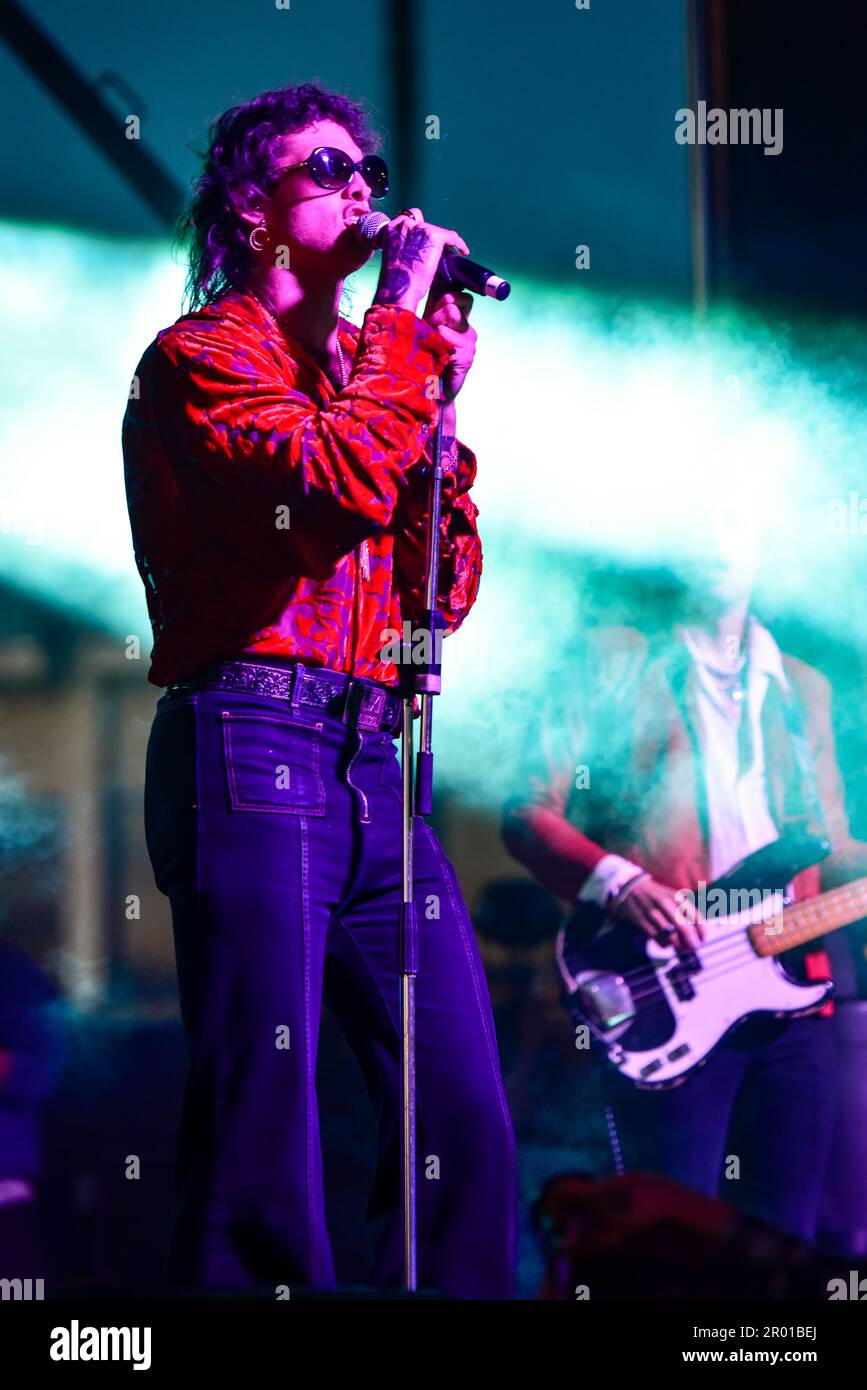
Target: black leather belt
360, 703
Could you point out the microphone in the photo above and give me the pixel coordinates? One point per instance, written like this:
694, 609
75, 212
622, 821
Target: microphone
455, 272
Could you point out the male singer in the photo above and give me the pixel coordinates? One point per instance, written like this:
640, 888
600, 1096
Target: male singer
276, 461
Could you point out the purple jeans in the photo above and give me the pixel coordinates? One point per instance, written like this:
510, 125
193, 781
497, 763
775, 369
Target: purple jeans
275, 833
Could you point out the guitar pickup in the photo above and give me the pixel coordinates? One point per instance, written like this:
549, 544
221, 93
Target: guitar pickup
650, 1068
679, 974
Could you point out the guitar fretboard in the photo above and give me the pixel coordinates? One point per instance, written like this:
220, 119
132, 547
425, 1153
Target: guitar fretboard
815, 917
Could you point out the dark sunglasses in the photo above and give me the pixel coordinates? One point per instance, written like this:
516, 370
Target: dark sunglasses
333, 169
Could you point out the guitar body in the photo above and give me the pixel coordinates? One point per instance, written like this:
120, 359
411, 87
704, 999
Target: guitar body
658, 1015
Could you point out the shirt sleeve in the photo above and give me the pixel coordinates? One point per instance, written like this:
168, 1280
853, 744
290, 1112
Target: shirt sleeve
262, 445
460, 555
848, 857
605, 881
536, 828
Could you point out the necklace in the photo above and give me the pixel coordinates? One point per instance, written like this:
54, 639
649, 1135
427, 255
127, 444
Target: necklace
729, 681
344, 373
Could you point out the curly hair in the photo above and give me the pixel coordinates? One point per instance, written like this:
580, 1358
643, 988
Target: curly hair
242, 145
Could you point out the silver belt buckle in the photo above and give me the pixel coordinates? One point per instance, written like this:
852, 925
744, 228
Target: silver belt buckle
364, 707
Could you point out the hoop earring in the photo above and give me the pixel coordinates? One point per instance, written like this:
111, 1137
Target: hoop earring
257, 246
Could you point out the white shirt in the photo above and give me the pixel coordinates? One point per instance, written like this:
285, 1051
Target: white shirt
739, 817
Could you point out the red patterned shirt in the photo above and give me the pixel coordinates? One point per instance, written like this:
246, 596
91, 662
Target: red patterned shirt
253, 486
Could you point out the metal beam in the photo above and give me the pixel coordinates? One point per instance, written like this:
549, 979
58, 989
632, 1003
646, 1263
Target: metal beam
47, 62
403, 47
699, 200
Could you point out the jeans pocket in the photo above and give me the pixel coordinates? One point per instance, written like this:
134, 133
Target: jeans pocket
272, 764
389, 771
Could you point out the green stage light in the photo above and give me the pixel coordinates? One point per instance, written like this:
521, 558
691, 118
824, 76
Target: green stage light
607, 432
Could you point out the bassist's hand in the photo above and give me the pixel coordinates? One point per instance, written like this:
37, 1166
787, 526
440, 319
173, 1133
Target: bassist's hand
657, 910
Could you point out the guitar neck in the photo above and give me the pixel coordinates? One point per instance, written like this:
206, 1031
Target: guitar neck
812, 918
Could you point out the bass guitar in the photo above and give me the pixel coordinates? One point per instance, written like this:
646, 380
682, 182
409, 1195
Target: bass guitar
658, 1013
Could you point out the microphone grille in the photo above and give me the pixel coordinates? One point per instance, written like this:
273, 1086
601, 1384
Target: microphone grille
370, 225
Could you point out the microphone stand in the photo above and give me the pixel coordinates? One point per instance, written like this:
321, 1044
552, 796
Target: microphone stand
417, 677
423, 677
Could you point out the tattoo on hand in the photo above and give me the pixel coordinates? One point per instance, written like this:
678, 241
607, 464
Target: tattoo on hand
414, 247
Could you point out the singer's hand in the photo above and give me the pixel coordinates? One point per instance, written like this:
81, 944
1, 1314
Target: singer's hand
411, 251
450, 315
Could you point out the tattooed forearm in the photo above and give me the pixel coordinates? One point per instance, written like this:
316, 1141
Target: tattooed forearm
450, 443
448, 440
395, 279
447, 448
393, 285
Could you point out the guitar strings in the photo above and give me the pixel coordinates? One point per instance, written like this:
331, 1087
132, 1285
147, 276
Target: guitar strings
729, 963
717, 975
739, 936
722, 967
